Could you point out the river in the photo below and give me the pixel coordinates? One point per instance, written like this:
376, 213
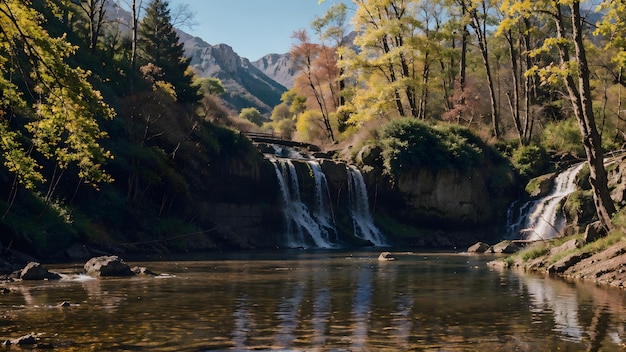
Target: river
322, 300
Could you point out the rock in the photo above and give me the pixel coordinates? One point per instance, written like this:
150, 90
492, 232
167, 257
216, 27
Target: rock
567, 246
107, 266
594, 231
506, 247
563, 264
64, 304
540, 186
385, 257
34, 271
141, 270
26, 340
479, 247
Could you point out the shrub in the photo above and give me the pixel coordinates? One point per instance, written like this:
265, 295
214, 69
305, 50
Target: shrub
530, 160
563, 136
409, 143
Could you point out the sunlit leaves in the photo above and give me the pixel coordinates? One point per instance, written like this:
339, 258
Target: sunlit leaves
61, 105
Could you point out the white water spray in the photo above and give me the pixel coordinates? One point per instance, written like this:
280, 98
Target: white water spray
302, 227
539, 219
364, 227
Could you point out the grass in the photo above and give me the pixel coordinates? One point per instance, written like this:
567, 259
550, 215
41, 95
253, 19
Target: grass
534, 252
543, 248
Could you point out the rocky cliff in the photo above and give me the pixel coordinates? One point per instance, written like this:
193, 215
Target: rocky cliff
278, 67
246, 85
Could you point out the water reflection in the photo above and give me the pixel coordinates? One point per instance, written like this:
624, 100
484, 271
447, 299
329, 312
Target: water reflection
361, 308
580, 312
320, 302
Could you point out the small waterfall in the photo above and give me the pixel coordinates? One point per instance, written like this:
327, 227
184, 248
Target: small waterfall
303, 228
322, 210
364, 227
539, 219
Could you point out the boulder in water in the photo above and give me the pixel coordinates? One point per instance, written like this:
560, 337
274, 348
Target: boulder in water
506, 247
26, 340
385, 257
111, 265
34, 271
479, 247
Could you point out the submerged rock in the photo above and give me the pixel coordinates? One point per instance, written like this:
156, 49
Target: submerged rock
111, 265
35, 271
26, 340
385, 257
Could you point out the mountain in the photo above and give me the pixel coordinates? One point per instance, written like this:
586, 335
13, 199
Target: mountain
277, 67
259, 84
246, 85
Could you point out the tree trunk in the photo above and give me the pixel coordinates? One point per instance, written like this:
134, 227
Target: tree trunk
580, 95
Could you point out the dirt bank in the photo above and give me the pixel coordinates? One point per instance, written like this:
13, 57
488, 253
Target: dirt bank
603, 263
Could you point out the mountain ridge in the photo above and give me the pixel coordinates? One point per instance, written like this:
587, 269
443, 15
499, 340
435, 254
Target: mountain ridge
258, 84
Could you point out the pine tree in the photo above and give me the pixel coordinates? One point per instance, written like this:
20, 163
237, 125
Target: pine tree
158, 44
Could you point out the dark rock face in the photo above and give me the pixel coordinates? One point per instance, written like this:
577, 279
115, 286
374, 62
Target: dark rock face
34, 271
108, 266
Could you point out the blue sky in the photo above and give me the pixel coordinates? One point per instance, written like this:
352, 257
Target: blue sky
253, 28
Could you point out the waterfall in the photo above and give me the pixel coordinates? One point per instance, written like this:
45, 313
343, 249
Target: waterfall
322, 210
364, 227
303, 228
539, 219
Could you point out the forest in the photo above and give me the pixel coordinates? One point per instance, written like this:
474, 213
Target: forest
109, 138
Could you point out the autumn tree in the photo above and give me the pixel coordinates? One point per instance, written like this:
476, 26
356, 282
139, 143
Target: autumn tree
332, 30
311, 60
47, 107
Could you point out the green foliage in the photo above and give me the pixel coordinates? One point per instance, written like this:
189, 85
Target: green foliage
310, 126
409, 143
537, 250
563, 136
39, 226
530, 160
209, 85
52, 106
253, 115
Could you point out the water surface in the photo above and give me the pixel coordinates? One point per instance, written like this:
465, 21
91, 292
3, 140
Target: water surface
318, 301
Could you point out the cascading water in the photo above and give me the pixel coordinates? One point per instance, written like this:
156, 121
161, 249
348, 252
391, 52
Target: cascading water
539, 219
364, 227
322, 210
303, 228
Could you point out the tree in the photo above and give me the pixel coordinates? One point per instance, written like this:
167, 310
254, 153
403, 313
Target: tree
159, 44
209, 85
478, 12
573, 71
95, 14
305, 57
253, 115
46, 105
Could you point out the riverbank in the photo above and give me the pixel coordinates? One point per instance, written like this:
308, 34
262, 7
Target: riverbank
602, 261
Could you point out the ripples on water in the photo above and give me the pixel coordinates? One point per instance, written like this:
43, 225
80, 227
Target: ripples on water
318, 301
